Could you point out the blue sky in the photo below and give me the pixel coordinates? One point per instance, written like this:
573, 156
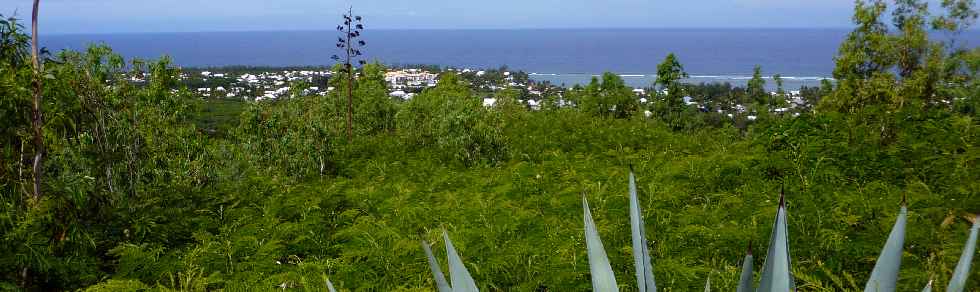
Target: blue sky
105, 16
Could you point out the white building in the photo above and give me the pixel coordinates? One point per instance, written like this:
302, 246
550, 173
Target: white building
397, 93
409, 78
489, 102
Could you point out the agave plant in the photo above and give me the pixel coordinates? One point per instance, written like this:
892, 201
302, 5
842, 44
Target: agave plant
707, 284
441, 283
641, 252
776, 275
776, 271
745, 280
884, 276
928, 287
603, 279
962, 271
460, 277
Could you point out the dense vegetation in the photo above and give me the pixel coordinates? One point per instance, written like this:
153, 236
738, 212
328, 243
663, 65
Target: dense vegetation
146, 186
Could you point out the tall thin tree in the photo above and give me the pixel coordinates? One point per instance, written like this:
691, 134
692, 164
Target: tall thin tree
350, 42
36, 111
669, 74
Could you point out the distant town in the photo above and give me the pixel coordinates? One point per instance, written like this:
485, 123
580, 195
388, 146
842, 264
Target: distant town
268, 84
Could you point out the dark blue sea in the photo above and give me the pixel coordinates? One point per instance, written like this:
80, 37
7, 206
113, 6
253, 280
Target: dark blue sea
562, 56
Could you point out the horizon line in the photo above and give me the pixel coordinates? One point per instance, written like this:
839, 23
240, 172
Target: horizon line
679, 28
475, 29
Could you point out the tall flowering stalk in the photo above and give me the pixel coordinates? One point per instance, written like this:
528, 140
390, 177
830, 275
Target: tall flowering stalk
350, 42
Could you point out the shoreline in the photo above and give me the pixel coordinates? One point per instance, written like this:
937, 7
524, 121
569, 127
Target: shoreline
646, 80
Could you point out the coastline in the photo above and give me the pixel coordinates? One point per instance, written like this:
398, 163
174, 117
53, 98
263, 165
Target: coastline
647, 80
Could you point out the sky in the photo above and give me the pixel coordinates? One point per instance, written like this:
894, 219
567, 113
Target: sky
113, 16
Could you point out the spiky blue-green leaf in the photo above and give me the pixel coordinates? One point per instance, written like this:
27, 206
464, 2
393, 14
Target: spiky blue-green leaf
776, 272
928, 287
641, 253
707, 285
603, 279
884, 277
460, 277
745, 280
437, 274
330, 287
960, 275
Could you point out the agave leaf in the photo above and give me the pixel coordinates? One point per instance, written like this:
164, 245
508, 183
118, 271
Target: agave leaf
330, 286
649, 281
707, 285
962, 271
603, 279
928, 287
441, 283
460, 277
641, 253
776, 275
745, 281
884, 277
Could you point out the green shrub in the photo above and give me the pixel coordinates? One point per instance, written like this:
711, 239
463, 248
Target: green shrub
454, 123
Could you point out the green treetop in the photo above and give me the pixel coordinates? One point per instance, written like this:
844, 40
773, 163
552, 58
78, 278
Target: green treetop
669, 74
610, 97
756, 88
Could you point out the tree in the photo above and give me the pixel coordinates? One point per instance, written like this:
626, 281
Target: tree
870, 57
863, 59
585, 97
964, 81
551, 100
608, 97
508, 100
778, 78
450, 119
614, 92
779, 99
15, 71
756, 88
960, 15
14, 44
350, 42
669, 74
375, 111
961, 66
917, 59
826, 89
909, 17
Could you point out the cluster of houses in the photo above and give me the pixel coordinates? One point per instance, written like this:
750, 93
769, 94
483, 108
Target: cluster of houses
410, 78
276, 84
260, 86
404, 82
793, 100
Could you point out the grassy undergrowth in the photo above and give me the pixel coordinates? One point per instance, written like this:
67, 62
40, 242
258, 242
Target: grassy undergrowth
517, 223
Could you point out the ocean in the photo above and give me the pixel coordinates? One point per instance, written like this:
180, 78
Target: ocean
562, 56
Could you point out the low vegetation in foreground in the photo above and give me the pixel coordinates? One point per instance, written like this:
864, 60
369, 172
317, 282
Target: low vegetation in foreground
145, 186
